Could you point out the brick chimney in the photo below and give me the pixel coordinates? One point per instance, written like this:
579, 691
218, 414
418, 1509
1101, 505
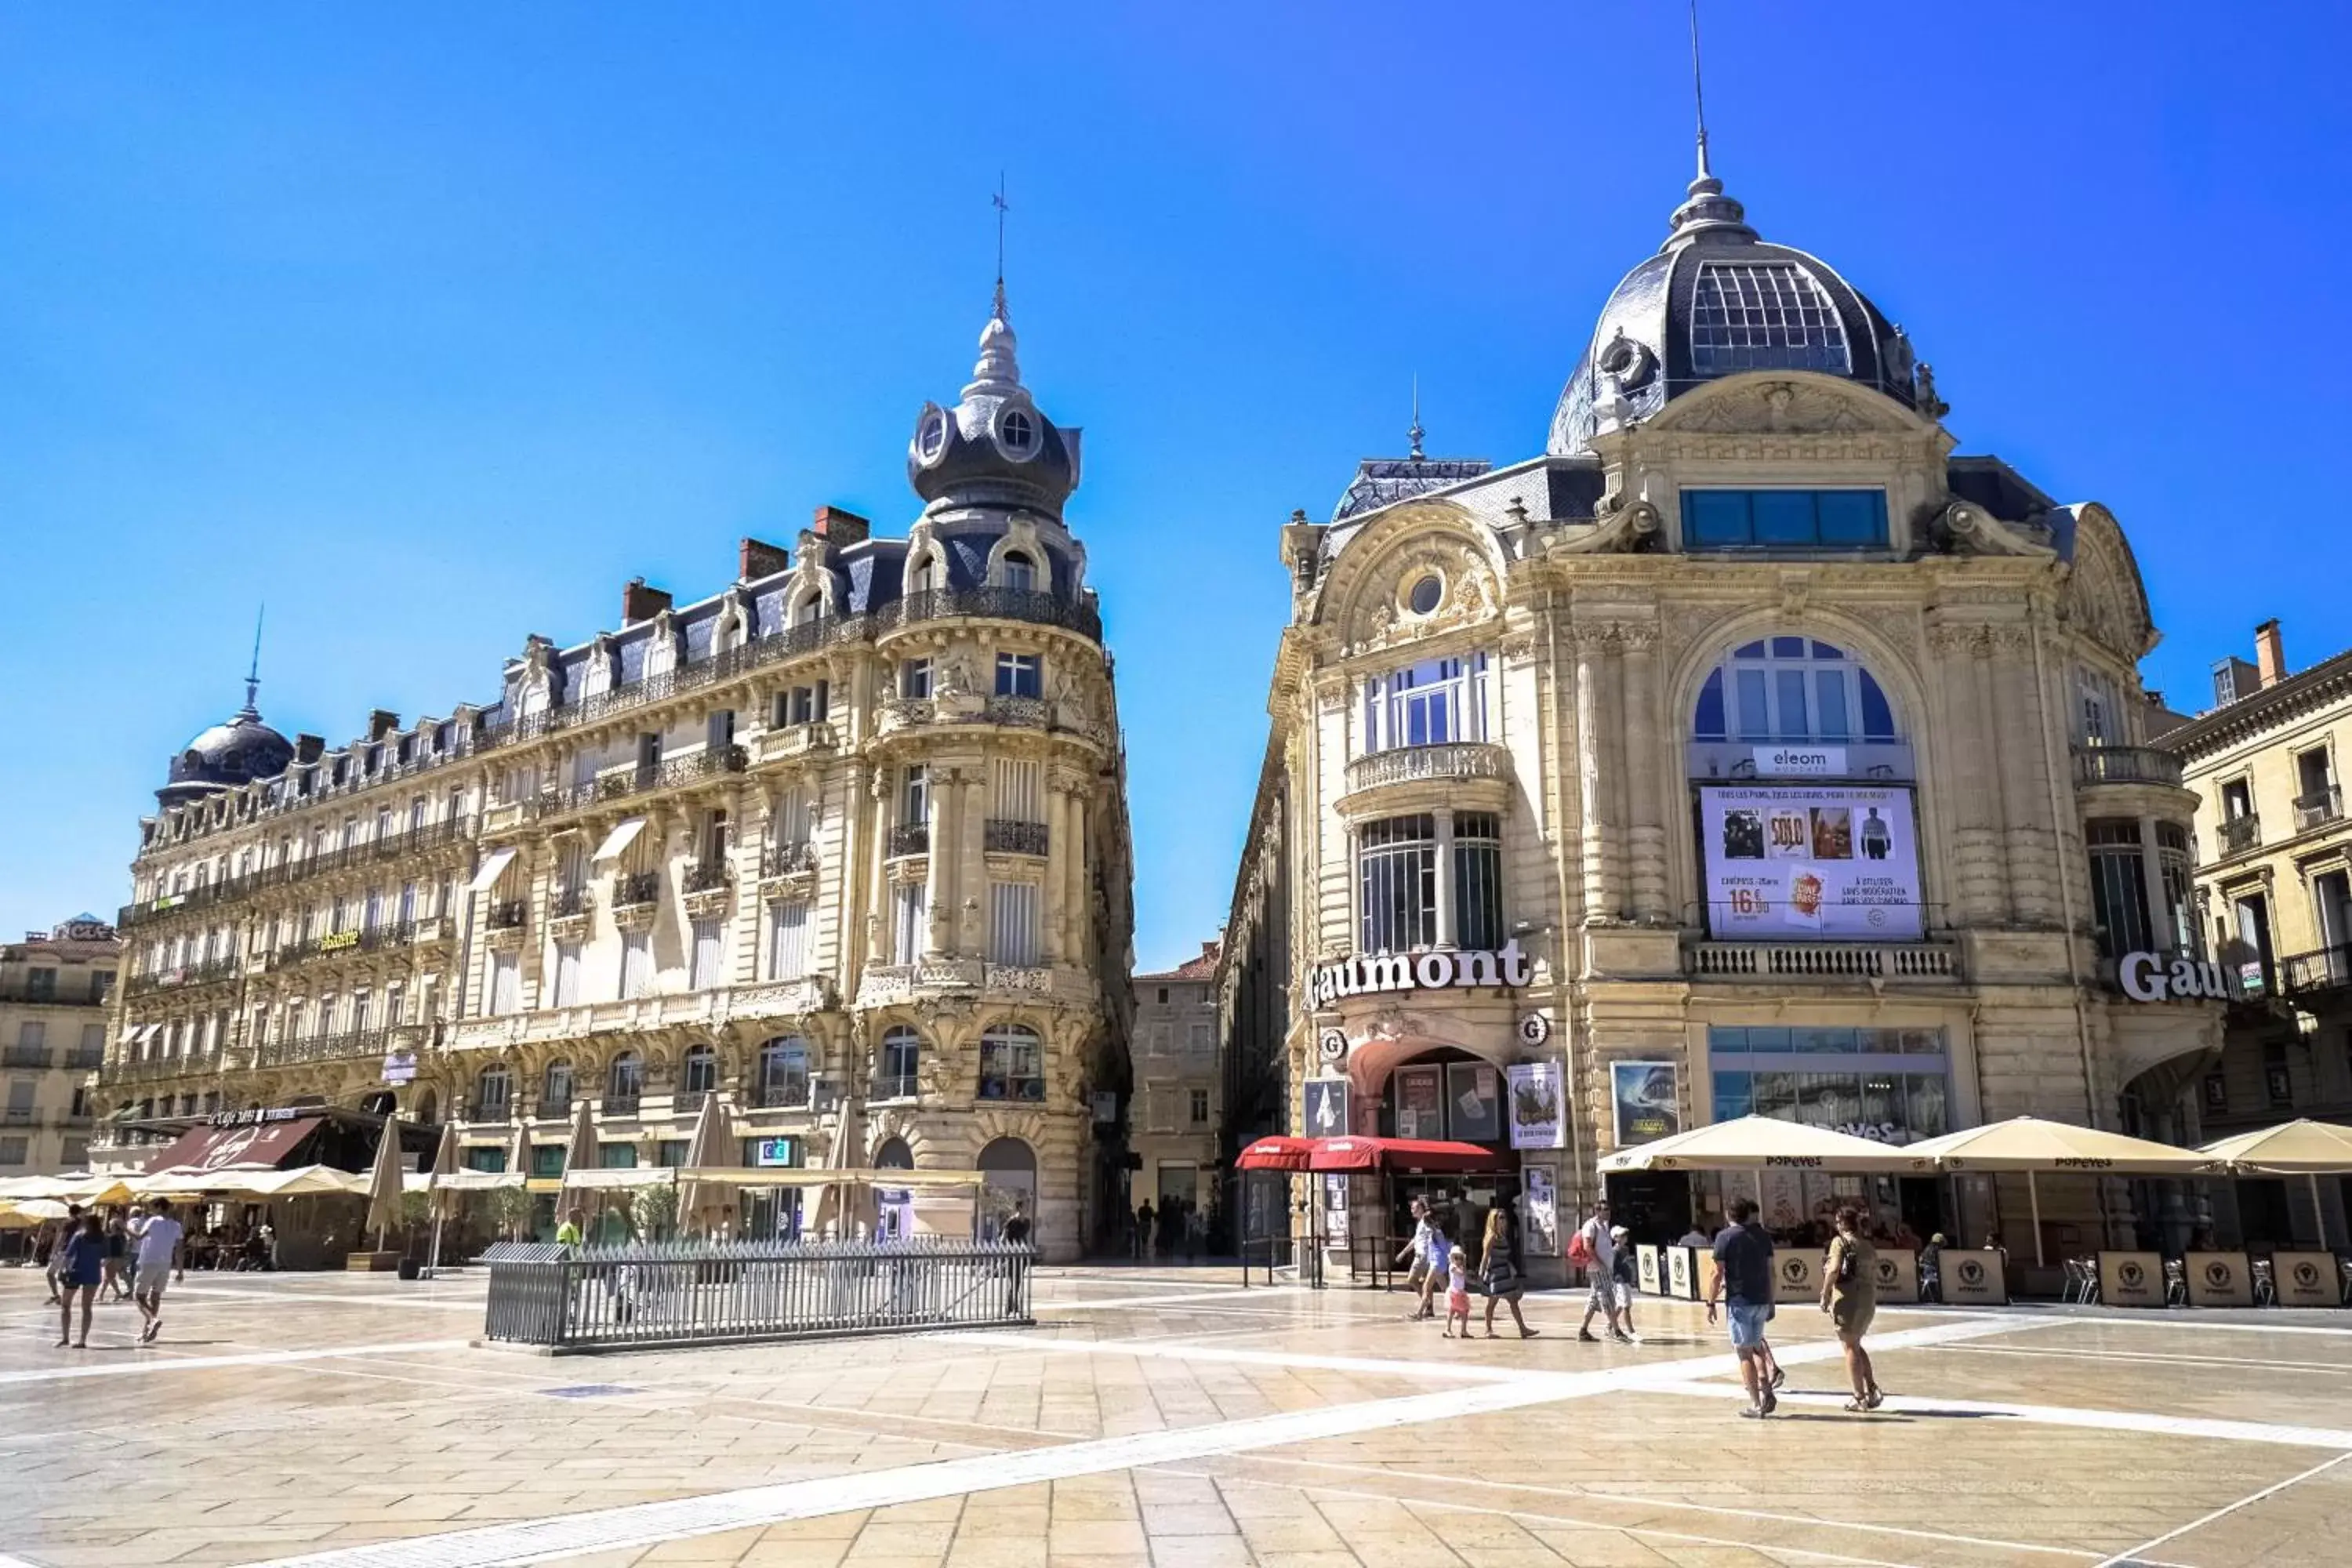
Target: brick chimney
757, 559
639, 602
382, 722
2270, 653
837, 527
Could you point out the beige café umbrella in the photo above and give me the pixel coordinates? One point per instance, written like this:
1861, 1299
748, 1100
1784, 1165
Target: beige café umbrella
1757, 1143
445, 1165
2300, 1148
713, 1144
579, 1157
383, 1182
2031, 1145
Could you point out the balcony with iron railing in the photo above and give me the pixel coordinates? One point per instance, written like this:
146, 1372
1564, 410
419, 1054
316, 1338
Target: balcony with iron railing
620, 1104
385, 938
634, 889
645, 779
489, 1110
2095, 766
571, 904
393, 846
349, 1046
788, 860
705, 876
2318, 808
21, 993
81, 1060
205, 972
910, 838
894, 1086
1005, 836
38, 1058
1033, 605
2240, 834
510, 914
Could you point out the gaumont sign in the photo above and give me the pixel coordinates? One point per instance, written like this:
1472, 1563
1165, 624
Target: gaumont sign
1361, 975
2158, 977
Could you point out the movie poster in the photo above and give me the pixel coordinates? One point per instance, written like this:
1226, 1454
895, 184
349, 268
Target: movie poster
1810, 862
1648, 1105
1420, 1102
1475, 1092
1538, 1096
1539, 1215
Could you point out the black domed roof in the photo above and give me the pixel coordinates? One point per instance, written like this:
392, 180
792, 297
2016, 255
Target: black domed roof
995, 448
228, 754
1717, 300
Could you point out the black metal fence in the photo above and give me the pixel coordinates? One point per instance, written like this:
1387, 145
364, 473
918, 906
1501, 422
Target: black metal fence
686, 1293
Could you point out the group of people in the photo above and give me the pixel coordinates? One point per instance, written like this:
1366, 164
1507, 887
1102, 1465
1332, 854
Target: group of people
1744, 1284
134, 1257
1436, 1257
1176, 1227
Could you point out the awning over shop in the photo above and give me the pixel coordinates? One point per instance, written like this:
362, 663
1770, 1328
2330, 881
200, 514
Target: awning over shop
1277, 1152
624, 833
1369, 1154
250, 1144
493, 867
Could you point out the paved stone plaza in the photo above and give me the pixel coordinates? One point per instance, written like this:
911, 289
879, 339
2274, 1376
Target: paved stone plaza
1160, 1417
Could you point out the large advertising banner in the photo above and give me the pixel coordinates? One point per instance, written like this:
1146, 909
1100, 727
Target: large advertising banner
1810, 862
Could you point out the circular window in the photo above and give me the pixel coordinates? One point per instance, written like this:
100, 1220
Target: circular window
1425, 596
932, 435
1020, 431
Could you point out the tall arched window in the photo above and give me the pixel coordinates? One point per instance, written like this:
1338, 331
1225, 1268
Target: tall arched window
1782, 688
699, 1072
555, 1090
783, 1071
902, 1052
625, 1079
1011, 1064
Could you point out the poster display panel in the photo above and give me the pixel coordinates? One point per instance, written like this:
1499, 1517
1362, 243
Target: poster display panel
1420, 1102
1975, 1278
1539, 1218
2220, 1279
1538, 1099
1810, 862
1325, 1109
1648, 1102
2304, 1278
1473, 1092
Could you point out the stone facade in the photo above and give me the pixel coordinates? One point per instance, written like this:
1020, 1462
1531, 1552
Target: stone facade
845, 844
55, 990
1176, 1110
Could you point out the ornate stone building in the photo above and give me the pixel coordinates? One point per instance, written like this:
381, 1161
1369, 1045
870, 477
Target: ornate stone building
55, 990
1176, 1112
1745, 750
845, 844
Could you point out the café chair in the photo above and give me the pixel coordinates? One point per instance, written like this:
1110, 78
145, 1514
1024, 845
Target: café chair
2265, 1286
2176, 1283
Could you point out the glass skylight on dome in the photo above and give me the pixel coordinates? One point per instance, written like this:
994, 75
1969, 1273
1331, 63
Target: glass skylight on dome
1763, 315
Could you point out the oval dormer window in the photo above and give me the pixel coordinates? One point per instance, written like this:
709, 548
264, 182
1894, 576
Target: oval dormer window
1019, 432
931, 436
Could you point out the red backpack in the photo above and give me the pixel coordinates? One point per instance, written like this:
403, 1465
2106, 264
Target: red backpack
1579, 1251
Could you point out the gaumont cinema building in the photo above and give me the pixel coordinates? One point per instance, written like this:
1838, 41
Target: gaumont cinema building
1746, 751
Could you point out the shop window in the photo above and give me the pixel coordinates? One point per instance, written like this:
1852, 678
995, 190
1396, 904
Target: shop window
1784, 520
1793, 689
1892, 1086
1431, 703
547, 1159
488, 1158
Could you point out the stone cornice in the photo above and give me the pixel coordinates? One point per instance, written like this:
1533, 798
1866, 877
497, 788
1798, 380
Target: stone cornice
2296, 697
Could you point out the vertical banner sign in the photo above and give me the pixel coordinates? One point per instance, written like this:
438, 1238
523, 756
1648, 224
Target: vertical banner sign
1539, 1105
1648, 1106
1327, 1108
1539, 1225
1810, 862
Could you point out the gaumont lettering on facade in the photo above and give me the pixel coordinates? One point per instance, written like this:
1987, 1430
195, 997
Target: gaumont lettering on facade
1507, 967
2153, 978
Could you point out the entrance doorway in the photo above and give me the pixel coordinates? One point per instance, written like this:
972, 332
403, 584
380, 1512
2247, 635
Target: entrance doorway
894, 1208
1009, 1173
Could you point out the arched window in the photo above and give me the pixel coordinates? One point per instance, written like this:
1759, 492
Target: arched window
1020, 572
493, 1093
902, 1052
810, 607
555, 1090
783, 1072
1011, 1064
698, 1073
625, 1079
1781, 688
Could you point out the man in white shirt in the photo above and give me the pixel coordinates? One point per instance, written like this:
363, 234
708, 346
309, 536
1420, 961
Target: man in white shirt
1421, 1278
158, 1238
1602, 1298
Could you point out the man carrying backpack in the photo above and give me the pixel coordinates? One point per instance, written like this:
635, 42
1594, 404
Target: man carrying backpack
1591, 1250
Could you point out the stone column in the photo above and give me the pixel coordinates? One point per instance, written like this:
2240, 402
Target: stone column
1977, 861
1054, 907
2013, 731
1644, 784
971, 855
1076, 902
938, 879
1596, 819
1446, 934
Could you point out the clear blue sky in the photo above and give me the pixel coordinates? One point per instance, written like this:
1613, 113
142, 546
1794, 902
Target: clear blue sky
431, 327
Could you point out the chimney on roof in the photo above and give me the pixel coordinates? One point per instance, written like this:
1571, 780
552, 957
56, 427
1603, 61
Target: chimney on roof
758, 558
837, 527
2270, 653
382, 722
639, 602
310, 748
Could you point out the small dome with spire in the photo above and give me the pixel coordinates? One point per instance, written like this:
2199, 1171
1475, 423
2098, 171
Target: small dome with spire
235, 751
1717, 300
995, 448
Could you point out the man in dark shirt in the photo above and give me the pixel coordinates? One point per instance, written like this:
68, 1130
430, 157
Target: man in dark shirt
1743, 1274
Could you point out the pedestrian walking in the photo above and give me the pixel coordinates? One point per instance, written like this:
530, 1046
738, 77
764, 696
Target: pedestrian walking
1593, 1249
1417, 1276
569, 1233
1458, 1293
159, 1237
1743, 1280
1850, 1296
58, 1235
1624, 1276
79, 1269
1016, 1234
118, 1248
1501, 1274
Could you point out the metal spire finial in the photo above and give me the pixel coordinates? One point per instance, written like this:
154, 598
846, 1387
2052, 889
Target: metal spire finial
1417, 433
1002, 207
253, 671
1698, 91
1706, 213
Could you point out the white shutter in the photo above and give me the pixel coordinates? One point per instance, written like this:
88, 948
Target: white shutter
706, 955
567, 974
637, 963
506, 981
1019, 789
788, 941
1012, 925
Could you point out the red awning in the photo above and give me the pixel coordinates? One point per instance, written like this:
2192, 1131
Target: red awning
1275, 1153
262, 1143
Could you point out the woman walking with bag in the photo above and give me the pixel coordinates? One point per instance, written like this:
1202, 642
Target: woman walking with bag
1501, 1274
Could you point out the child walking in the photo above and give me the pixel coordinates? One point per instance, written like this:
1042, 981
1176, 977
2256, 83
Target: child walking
1458, 1293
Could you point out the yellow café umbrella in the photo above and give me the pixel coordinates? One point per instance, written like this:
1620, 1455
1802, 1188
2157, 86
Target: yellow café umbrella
2031, 1145
2300, 1148
713, 1143
384, 1182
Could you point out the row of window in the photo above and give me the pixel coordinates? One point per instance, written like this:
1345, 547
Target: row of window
1017, 674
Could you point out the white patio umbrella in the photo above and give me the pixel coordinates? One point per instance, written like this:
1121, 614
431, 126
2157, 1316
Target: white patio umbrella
445, 1165
2300, 1148
2031, 1145
713, 1144
1756, 1144
384, 1182
579, 1157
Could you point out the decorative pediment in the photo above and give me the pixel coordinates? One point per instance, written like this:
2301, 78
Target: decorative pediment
1419, 572
2105, 597
1798, 405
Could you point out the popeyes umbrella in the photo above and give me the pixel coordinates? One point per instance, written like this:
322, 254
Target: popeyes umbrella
1756, 1144
383, 1182
713, 1143
2301, 1148
445, 1165
2030, 1144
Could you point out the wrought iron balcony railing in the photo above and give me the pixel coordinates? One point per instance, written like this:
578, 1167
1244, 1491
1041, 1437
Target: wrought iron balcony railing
569, 902
910, 838
788, 860
2318, 808
51, 998
395, 846
2240, 834
645, 779
511, 914
704, 875
343, 944
632, 887
37, 1057
1035, 606
351, 1045
1005, 836
201, 974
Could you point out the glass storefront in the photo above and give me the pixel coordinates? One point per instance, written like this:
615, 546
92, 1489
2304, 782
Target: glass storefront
1892, 1086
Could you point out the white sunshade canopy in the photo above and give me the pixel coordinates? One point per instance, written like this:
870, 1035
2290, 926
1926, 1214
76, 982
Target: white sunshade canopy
624, 833
2303, 1148
492, 870
1757, 1142
2030, 1143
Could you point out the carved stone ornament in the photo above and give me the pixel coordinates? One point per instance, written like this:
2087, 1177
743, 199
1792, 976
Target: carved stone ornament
1777, 408
1962, 528
1620, 528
